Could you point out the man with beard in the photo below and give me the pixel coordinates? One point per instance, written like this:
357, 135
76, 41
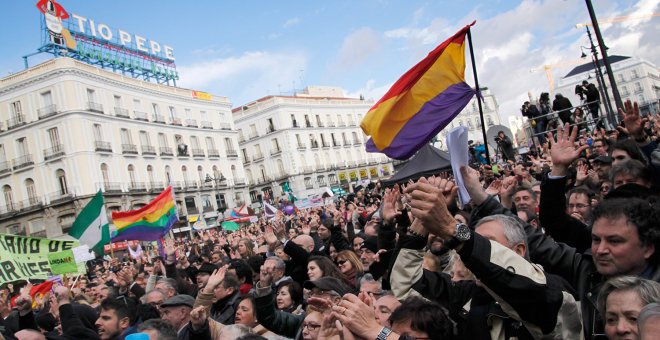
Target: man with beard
525, 201
435, 245
203, 274
117, 318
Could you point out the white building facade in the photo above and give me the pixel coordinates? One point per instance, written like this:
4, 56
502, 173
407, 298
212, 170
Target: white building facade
637, 79
70, 129
307, 143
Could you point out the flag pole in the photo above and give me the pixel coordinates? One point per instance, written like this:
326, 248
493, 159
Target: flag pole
476, 83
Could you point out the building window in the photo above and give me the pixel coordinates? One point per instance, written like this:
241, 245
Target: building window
162, 140
61, 181
621, 77
126, 137
9, 197
191, 207
47, 99
210, 143
131, 174
635, 75
294, 122
308, 183
168, 174
254, 197
638, 87
91, 96
221, 202
31, 191
207, 205
200, 173
150, 174
98, 133
104, 174
54, 138
17, 111
184, 172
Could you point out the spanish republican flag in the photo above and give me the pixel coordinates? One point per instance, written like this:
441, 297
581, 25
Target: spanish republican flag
421, 103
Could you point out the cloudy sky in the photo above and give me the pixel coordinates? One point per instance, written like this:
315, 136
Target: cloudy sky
249, 49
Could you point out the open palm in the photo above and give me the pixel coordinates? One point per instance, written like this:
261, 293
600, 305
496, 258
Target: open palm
564, 151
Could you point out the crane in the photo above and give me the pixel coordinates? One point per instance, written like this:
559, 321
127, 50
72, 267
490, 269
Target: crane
548, 71
620, 19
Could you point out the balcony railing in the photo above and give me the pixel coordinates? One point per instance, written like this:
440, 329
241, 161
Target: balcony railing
336, 144
110, 186
130, 149
30, 203
139, 115
191, 122
319, 124
309, 186
166, 151
198, 153
148, 150
5, 168
190, 184
308, 124
137, 187
232, 153
206, 124
356, 142
16, 121
270, 129
331, 124
247, 160
59, 196
275, 151
95, 107
225, 126
241, 139
308, 169
214, 153
315, 145
22, 162
240, 182
158, 118
258, 157
325, 145
176, 121
302, 146
253, 135
47, 111
295, 124
102, 146
341, 124
266, 179
156, 186
281, 175
121, 112
54, 152
347, 143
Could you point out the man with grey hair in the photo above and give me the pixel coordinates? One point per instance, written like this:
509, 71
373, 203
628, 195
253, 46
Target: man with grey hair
155, 298
511, 295
166, 285
648, 321
278, 266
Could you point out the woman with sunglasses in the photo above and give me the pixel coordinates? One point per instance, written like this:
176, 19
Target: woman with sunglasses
350, 265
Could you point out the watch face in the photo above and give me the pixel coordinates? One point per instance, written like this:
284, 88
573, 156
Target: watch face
462, 232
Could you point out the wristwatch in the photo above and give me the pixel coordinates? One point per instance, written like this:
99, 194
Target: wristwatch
463, 234
384, 333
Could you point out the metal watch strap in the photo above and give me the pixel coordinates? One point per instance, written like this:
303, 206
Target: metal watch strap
384, 333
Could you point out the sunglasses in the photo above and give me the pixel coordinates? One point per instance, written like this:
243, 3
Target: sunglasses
341, 262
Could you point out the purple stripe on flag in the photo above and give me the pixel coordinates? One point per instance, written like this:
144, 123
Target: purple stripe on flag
434, 116
141, 234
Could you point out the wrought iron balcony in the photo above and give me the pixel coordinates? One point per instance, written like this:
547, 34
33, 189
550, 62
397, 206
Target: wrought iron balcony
190, 184
130, 149
5, 168
302, 146
270, 129
331, 124
102, 146
176, 121
275, 151
253, 135
148, 150
95, 107
166, 151
240, 182
206, 124
54, 152
22, 162
308, 169
198, 153
232, 153
47, 111
16, 121
225, 126
121, 112
191, 122
213, 153
258, 157
281, 175
110, 187
341, 124
156, 186
137, 187
60, 196
158, 118
139, 115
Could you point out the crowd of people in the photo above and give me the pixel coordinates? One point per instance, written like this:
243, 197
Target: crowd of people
560, 243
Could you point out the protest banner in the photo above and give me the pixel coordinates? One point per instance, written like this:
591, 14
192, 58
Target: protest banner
24, 257
62, 262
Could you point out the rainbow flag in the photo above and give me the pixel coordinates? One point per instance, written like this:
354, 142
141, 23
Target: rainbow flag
148, 223
421, 103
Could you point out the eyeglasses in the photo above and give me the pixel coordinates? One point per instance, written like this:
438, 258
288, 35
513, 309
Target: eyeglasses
341, 262
311, 326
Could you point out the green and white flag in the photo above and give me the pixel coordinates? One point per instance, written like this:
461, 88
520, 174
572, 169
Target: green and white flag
91, 226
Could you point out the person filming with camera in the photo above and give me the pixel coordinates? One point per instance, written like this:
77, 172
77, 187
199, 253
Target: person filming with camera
506, 147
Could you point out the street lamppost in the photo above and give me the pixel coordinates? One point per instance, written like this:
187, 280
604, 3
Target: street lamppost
603, 51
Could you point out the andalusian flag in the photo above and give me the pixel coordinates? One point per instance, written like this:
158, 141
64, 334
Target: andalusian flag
421, 103
91, 227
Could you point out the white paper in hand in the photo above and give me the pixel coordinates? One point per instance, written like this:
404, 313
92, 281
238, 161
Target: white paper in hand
457, 143
81, 254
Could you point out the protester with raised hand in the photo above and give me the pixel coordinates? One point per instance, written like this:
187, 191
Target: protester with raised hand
220, 296
495, 255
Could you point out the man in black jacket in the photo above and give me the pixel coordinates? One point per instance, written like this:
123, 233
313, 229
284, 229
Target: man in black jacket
562, 106
593, 98
624, 242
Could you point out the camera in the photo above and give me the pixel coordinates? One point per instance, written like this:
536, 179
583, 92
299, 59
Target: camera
497, 139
